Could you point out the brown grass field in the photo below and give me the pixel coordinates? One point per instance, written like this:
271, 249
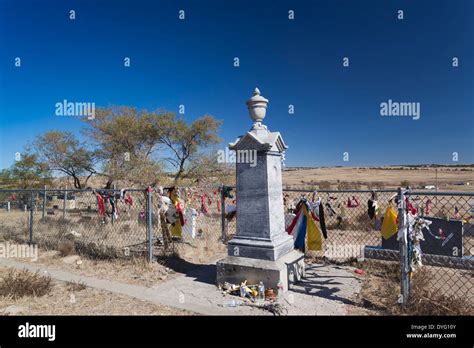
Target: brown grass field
387, 177
383, 177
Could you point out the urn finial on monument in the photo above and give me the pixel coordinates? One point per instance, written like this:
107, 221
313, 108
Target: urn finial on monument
259, 138
257, 106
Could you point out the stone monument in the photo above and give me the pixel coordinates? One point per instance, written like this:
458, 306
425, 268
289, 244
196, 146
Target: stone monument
261, 249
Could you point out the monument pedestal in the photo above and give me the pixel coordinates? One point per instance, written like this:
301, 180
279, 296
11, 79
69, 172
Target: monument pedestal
261, 250
288, 269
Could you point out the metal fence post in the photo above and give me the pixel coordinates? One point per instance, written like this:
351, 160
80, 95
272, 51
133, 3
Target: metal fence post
31, 217
64, 203
44, 202
149, 226
115, 204
403, 248
223, 222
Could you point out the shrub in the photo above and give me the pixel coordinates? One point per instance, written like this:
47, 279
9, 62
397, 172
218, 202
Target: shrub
66, 247
75, 286
126, 228
324, 185
427, 302
17, 284
375, 185
381, 289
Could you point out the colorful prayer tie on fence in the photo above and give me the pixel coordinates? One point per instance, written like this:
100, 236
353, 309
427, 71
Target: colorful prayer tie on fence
304, 229
389, 225
177, 226
100, 204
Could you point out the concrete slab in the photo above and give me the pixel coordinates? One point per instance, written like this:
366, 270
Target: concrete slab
325, 290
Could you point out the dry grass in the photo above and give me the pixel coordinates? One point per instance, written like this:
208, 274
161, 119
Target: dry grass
423, 300
135, 270
84, 233
63, 300
75, 286
381, 289
388, 177
17, 284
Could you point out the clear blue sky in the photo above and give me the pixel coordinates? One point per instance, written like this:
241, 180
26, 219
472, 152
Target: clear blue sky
295, 62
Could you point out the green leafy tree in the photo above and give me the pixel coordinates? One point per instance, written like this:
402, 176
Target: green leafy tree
28, 172
61, 152
126, 143
185, 143
141, 146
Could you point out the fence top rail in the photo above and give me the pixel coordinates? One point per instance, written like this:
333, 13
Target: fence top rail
72, 190
339, 191
68, 190
439, 193
408, 193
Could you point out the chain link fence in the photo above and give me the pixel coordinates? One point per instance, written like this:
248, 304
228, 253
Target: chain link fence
69, 220
136, 222
349, 226
444, 276
200, 239
352, 235
130, 222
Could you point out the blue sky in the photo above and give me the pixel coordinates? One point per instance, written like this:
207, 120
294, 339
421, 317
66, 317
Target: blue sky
297, 62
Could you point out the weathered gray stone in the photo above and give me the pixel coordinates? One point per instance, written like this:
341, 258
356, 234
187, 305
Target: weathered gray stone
288, 269
261, 242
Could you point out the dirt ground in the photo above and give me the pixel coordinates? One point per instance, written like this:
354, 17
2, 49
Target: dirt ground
373, 291
62, 301
325, 290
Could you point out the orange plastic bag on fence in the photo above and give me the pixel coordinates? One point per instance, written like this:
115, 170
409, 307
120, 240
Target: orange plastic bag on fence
389, 225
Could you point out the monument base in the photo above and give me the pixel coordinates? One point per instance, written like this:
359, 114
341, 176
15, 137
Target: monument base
288, 269
261, 249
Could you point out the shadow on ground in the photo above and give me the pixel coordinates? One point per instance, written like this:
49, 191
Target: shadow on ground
202, 273
317, 282
328, 285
